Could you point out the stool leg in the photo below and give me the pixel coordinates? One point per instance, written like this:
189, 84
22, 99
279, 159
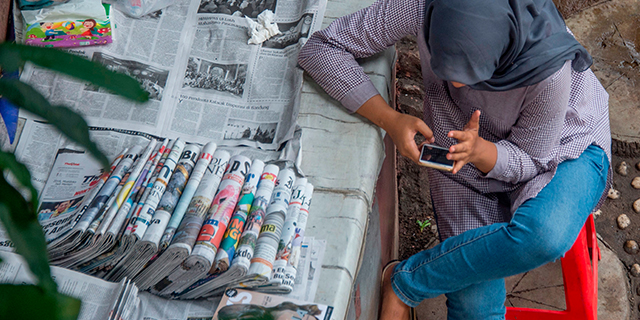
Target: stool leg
578, 275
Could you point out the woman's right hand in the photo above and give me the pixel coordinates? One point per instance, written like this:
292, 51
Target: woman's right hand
401, 127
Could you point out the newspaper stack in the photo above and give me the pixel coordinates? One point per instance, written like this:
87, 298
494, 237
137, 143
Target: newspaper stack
245, 263
181, 220
246, 244
202, 257
103, 264
131, 263
190, 226
80, 234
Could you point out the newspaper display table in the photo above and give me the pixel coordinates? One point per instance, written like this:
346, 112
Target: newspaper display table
342, 155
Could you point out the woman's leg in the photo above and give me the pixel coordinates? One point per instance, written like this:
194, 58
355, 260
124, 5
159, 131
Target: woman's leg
541, 230
480, 301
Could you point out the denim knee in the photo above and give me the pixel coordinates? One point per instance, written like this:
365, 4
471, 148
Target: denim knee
540, 243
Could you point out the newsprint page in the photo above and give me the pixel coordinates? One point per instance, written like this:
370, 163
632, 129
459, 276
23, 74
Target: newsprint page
206, 83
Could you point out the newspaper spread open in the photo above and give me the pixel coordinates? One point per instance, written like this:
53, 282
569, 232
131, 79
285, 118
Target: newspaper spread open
206, 83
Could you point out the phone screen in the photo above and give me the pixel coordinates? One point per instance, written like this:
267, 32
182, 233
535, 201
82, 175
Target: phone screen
436, 155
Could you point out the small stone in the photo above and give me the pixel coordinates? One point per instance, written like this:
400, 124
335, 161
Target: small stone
636, 182
636, 206
434, 228
635, 270
638, 290
597, 214
631, 247
613, 194
623, 169
638, 165
623, 221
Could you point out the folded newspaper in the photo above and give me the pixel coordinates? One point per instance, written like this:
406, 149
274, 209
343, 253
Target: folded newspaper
243, 304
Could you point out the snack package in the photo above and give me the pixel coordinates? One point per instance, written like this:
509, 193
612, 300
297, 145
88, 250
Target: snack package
73, 24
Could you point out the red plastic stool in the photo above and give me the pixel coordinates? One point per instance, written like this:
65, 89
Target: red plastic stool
580, 277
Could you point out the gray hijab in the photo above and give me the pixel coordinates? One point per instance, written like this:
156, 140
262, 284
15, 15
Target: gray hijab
499, 45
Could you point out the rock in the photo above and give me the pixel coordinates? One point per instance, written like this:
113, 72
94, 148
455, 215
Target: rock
638, 165
597, 214
434, 229
613, 194
631, 247
636, 206
635, 270
623, 169
623, 221
636, 182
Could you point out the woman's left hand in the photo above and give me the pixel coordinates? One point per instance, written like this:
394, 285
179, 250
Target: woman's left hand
471, 148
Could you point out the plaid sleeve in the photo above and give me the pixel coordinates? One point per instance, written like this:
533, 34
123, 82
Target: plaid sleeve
528, 150
329, 54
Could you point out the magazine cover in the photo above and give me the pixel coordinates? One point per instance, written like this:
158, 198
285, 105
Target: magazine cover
243, 304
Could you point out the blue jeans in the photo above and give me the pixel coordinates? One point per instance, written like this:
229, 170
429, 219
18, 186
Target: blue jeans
470, 268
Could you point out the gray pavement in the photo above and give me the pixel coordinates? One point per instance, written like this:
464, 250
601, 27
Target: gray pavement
542, 288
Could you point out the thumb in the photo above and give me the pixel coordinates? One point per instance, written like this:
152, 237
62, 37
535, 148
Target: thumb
474, 122
424, 129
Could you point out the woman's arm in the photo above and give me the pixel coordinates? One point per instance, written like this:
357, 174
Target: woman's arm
329, 56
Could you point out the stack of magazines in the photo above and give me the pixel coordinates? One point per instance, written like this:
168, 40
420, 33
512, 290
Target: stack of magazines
182, 220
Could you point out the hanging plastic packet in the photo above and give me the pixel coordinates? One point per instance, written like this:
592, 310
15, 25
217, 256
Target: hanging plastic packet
37, 4
139, 8
76, 23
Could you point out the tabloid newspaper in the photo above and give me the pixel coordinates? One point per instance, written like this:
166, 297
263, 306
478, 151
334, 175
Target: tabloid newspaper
206, 83
243, 304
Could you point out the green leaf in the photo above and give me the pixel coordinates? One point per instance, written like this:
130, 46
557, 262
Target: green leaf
19, 219
20, 172
68, 122
13, 56
30, 302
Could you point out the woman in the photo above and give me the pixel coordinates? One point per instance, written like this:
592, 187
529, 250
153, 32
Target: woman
509, 93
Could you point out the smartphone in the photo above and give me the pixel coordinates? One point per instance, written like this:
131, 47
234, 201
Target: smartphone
435, 157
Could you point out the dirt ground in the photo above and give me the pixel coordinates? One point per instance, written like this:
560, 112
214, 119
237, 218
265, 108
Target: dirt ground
413, 191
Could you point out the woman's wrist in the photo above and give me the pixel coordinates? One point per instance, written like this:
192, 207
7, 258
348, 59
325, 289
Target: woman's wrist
378, 111
486, 155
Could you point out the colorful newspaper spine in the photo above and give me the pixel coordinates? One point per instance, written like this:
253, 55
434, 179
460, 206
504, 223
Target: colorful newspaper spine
267, 244
187, 232
159, 186
58, 247
204, 252
288, 231
236, 225
247, 242
172, 194
187, 194
222, 208
99, 183
189, 228
124, 192
148, 185
291, 270
126, 209
108, 188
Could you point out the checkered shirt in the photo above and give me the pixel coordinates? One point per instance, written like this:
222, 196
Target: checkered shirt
534, 128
